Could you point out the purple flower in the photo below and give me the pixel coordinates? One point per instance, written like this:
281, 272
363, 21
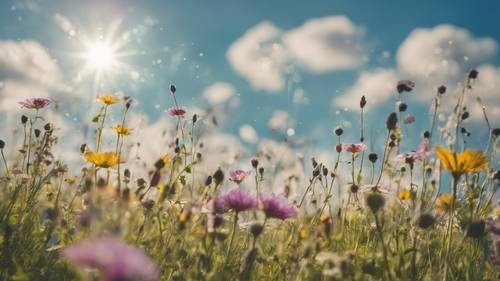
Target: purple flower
178, 111
405, 86
354, 147
279, 207
409, 119
114, 259
379, 188
238, 175
35, 103
235, 199
412, 156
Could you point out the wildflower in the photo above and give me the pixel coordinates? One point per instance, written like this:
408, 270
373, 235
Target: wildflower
443, 202
238, 176
405, 195
278, 207
409, 119
377, 188
303, 232
412, 156
178, 111
405, 86
354, 147
35, 103
114, 259
102, 159
121, 130
107, 100
235, 199
468, 161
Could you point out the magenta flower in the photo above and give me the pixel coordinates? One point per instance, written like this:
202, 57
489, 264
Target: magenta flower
405, 86
178, 111
379, 188
354, 147
235, 199
238, 175
412, 156
114, 259
278, 207
35, 103
409, 119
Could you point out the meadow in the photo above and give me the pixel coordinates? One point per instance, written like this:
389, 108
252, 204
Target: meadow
394, 212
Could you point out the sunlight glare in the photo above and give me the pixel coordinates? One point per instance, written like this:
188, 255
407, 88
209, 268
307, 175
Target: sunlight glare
100, 56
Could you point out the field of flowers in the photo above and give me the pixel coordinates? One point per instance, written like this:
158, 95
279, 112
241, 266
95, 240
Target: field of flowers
396, 212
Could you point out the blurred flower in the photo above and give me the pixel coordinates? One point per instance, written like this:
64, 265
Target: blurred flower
412, 156
468, 161
405, 195
121, 130
354, 147
238, 175
279, 207
176, 111
303, 232
114, 259
35, 103
378, 188
443, 202
235, 199
405, 86
409, 119
107, 100
102, 159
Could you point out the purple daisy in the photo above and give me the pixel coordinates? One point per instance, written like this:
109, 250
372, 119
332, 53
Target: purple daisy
114, 259
354, 147
238, 175
409, 119
412, 156
178, 111
235, 199
405, 86
278, 207
378, 188
35, 103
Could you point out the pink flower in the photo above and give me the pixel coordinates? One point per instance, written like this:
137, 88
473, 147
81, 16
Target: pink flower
405, 86
409, 119
235, 199
279, 207
379, 188
238, 175
354, 147
114, 259
178, 111
412, 156
35, 103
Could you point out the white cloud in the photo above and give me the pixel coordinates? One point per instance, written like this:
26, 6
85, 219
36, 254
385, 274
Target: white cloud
377, 86
259, 57
265, 53
65, 24
486, 87
326, 44
219, 92
248, 134
442, 53
280, 121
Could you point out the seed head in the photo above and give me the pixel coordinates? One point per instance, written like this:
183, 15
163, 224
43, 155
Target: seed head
392, 121
339, 131
373, 157
375, 202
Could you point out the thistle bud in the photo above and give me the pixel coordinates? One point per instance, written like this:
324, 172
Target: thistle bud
375, 202
37, 133
338, 148
24, 119
441, 89
255, 163
2, 144
495, 132
47, 127
473, 74
208, 181
362, 102
427, 134
338, 131
354, 188
256, 229
392, 121
195, 118
218, 176
426, 221
173, 88
373, 157
402, 107
261, 171
465, 115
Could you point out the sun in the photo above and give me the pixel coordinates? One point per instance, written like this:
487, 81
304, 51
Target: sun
100, 56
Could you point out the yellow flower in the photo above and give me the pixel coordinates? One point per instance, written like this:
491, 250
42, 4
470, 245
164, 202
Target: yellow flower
405, 195
107, 100
303, 232
102, 159
443, 202
166, 159
121, 130
469, 161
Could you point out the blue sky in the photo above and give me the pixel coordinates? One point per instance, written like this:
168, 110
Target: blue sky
188, 41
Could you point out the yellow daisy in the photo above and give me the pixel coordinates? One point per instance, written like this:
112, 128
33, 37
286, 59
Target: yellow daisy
443, 202
107, 100
468, 161
121, 130
102, 159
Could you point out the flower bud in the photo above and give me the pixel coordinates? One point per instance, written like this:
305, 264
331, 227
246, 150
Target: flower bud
24, 119
255, 163
47, 127
218, 176
338, 147
391, 121
402, 107
426, 221
495, 132
354, 188
2, 144
441, 89
427, 134
375, 202
256, 229
362, 102
339, 131
173, 88
208, 181
473, 74
37, 132
373, 157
